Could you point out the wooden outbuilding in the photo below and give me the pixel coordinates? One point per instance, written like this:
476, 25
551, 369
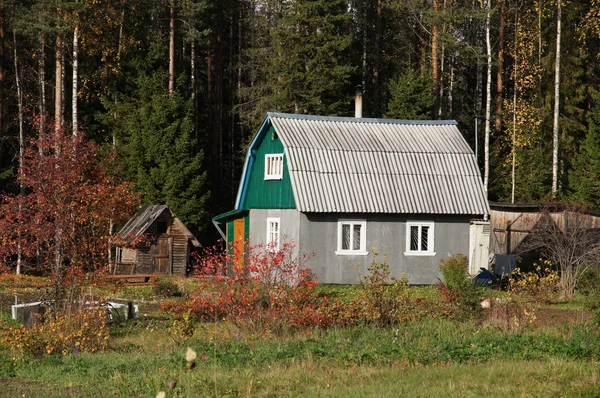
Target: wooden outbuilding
512, 223
154, 241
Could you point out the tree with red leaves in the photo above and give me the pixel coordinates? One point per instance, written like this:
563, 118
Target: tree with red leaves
62, 221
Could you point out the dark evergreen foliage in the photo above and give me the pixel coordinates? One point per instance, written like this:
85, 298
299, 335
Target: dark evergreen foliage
236, 59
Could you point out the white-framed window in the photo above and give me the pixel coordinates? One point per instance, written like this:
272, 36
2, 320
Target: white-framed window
352, 237
274, 166
420, 238
273, 233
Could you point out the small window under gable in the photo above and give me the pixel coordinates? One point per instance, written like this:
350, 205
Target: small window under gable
420, 238
273, 233
274, 166
351, 237
161, 227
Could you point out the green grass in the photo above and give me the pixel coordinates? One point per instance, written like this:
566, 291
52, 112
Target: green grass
144, 375
432, 357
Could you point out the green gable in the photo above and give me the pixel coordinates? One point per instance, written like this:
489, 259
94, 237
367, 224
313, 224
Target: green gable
268, 194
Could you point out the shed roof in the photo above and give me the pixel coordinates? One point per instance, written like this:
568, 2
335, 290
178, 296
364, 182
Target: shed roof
145, 216
361, 165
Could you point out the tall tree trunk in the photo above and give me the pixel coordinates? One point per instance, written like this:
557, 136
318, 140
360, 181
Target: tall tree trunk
172, 48
441, 92
514, 121
194, 87
499, 76
75, 75
377, 62
364, 43
58, 89
451, 88
2, 56
488, 99
21, 151
555, 126
435, 74
232, 78
42, 83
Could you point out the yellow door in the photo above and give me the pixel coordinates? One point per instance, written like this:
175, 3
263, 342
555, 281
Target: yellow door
238, 246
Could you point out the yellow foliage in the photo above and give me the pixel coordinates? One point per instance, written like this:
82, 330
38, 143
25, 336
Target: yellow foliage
84, 331
539, 285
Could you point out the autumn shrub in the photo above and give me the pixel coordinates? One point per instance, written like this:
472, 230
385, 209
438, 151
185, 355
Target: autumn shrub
14, 281
80, 331
457, 288
165, 288
527, 291
272, 293
383, 300
539, 286
589, 288
511, 314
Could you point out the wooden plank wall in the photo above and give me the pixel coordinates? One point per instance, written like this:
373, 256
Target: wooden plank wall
143, 255
521, 222
180, 248
144, 259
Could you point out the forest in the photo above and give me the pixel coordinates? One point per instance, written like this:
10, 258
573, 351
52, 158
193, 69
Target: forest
175, 89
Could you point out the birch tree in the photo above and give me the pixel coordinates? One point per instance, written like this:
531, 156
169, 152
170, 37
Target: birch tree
555, 125
488, 96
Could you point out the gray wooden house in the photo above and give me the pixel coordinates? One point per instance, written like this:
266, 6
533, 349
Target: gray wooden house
339, 187
154, 241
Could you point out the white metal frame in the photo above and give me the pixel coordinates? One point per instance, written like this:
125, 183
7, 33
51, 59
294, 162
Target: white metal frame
274, 166
362, 250
430, 238
273, 236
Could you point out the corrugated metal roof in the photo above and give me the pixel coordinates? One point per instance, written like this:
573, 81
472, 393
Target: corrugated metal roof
141, 221
350, 165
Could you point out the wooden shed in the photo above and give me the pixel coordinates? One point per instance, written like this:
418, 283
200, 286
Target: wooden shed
512, 223
154, 241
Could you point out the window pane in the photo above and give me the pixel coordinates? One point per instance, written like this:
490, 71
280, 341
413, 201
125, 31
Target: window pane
345, 237
356, 237
424, 238
273, 234
414, 238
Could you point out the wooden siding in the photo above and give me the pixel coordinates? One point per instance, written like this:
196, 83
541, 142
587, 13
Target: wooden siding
128, 256
510, 226
144, 257
180, 249
269, 194
144, 260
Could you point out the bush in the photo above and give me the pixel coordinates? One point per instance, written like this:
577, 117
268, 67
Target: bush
166, 288
589, 287
539, 286
272, 293
81, 331
23, 281
383, 302
457, 288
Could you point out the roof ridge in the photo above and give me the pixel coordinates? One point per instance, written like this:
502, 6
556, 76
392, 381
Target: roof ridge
360, 120
382, 150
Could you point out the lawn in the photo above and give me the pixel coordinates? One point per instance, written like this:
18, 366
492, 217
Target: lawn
556, 356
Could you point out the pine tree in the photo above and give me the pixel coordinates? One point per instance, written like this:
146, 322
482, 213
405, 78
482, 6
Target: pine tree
411, 96
308, 67
159, 155
585, 177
